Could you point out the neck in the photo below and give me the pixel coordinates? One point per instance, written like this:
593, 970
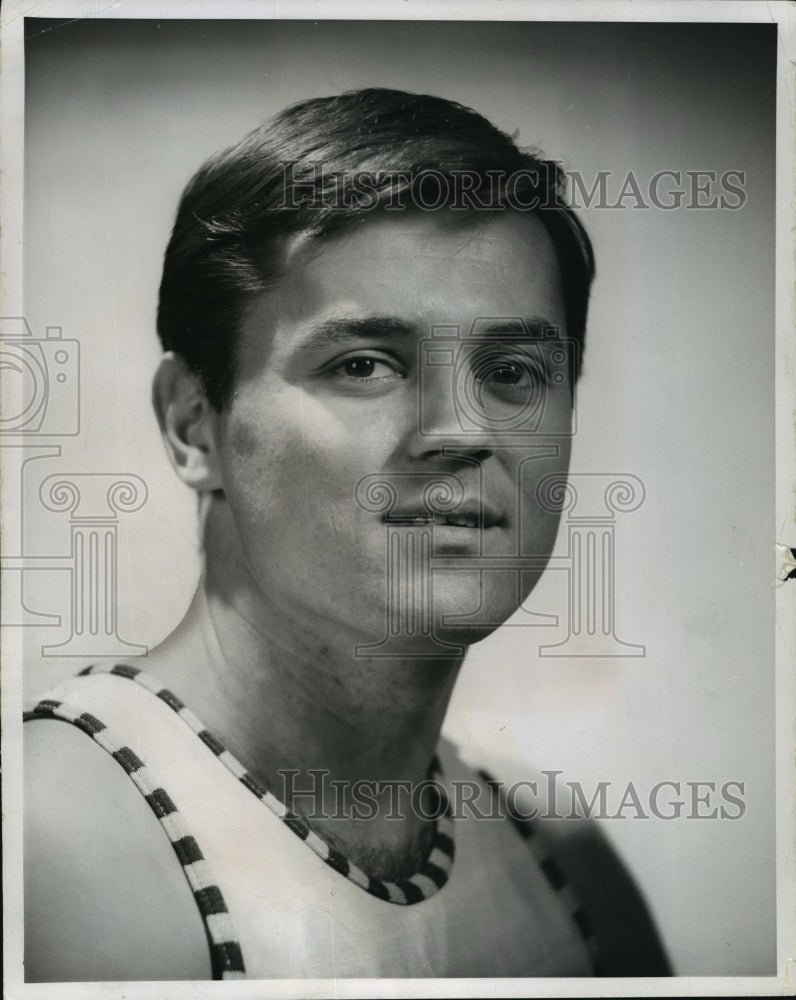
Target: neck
291, 699
302, 699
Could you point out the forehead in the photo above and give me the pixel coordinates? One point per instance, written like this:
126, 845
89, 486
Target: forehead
426, 268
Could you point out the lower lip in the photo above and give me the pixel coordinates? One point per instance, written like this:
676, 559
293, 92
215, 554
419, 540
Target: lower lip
458, 529
444, 535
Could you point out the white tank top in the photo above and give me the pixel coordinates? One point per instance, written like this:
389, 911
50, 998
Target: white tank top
278, 904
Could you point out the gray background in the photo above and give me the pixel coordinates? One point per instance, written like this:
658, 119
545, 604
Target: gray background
677, 387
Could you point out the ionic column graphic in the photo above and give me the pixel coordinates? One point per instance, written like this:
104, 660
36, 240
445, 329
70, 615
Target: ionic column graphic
591, 502
94, 501
409, 528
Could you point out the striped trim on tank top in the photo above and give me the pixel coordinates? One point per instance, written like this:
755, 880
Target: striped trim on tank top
551, 870
422, 885
226, 957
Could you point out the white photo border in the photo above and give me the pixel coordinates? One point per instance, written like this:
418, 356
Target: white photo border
12, 108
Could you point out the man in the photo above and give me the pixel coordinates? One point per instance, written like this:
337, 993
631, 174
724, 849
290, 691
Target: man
372, 310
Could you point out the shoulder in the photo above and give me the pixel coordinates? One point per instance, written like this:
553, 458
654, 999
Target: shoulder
628, 941
577, 857
105, 896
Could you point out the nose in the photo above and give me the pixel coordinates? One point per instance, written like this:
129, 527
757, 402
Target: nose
437, 429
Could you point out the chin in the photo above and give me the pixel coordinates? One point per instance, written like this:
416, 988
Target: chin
464, 636
462, 608
474, 603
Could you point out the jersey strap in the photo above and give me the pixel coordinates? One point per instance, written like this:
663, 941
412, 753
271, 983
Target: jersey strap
552, 872
225, 952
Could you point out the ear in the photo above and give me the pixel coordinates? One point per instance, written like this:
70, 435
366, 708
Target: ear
186, 421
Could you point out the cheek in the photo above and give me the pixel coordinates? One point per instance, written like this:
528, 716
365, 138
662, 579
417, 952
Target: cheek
540, 511
295, 459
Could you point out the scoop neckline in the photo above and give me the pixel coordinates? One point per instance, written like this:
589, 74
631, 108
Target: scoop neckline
416, 888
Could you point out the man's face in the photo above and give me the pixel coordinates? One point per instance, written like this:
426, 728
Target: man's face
333, 388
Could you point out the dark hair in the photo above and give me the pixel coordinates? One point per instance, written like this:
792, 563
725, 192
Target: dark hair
315, 168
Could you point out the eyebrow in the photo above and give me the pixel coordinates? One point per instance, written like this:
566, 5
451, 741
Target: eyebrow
535, 327
343, 329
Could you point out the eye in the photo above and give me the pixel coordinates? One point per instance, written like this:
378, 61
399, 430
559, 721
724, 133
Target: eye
502, 372
365, 371
365, 368
508, 373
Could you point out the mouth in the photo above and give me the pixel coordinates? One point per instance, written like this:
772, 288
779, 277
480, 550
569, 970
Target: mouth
468, 518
